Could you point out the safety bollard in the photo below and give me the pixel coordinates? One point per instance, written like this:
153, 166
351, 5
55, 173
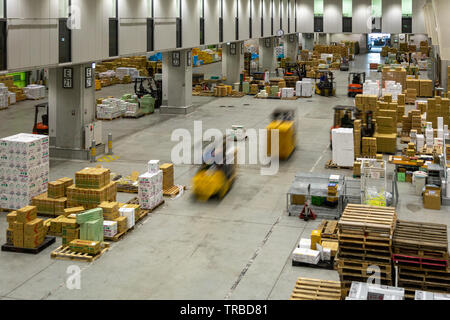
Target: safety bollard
93, 151
110, 150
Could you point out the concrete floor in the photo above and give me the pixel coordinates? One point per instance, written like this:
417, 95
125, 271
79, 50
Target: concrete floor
237, 248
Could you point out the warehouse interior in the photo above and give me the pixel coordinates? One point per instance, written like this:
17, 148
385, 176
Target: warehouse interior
111, 112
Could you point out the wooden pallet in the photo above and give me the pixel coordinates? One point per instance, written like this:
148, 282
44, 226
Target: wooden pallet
362, 265
48, 241
411, 286
109, 119
119, 236
331, 165
126, 188
363, 240
367, 220
365, 256
328, 229
172, 192
439, 280
64, 253
427, 240
313, 289
420, 262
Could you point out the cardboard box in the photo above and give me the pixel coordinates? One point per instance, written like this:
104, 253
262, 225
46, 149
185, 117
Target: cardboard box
83, 246
69, 223
71, 233
92, 178
432, 199
26, 214
121, 224
9, 236
33, 227
333, 246
75, 210
31, 242
56, 189
298, 199
168, 175
110, 228
18, 234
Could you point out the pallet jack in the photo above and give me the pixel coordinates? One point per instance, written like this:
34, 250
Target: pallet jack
307, 213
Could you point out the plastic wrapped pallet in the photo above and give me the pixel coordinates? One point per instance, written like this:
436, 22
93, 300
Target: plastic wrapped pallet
343, 147
24, 169
298, 89
287, 92
307, 88
34, 92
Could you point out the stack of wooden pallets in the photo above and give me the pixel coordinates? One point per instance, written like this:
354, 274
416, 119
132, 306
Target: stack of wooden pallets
420, 253
365, 244
313, 289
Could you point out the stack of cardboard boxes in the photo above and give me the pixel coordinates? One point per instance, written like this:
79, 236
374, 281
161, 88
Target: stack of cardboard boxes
151, 186
92, 187
54, 201
411, 96
366, 102
413, 121
168, 175
369, 147
413, 84
426, 88
70, 229
25, 230
424, 48
398, 75
8, 81
438, 107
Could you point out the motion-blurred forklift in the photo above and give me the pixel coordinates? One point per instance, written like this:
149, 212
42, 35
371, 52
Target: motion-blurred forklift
325, 87
285, 121
355, 83
214, 179
294, 69
41, 127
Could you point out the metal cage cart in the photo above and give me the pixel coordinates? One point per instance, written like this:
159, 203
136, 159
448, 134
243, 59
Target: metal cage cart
378, 187
312, 188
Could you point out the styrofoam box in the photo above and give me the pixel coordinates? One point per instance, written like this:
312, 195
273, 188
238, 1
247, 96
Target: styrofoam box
109, 228
306, 256
153, 166
305, 243
129, 214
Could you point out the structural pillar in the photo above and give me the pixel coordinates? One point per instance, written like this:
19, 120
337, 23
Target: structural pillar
308, 41
177, 82
291, 47
232, 62
267, 57
72, 110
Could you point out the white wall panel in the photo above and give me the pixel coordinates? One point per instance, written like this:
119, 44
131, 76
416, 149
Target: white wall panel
306, 16
292, 9
166, 12
285, 15
392, 16
191, 23
33, 33
229, 25
276, 16
441, 10
418, 18
88, 42
132, 26
257, 7
332, 16
361, 16
267, 18
212, 14
244, 14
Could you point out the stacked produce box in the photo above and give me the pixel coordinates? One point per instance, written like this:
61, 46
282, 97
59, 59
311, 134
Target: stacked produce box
151, 186
92, 187
365, 244
24, 169
25, 230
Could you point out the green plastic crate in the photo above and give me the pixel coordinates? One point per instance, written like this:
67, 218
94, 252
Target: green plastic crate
401, 177
317, 201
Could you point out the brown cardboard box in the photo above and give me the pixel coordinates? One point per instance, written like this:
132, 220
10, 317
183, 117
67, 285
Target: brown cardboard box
432, 199
121, 224
168, 175
18, 234
332, 245
357, 168
298, 199
56, 225
67, 183
71, 233
31, 242
55, 189
9, 236
26, 214
69, 223
33, 227
75, 210
83, 246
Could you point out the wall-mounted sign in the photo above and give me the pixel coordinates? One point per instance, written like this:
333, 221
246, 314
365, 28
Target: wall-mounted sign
233, 49
189, 58
68, 78
176, 59
88, 77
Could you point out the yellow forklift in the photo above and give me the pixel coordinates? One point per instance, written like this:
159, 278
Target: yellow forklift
326, 86
284, 120
214, 179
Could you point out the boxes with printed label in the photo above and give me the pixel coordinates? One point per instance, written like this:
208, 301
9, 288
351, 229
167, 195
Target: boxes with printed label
110, 210
150, 190
85, 246
109, 228
24, 169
